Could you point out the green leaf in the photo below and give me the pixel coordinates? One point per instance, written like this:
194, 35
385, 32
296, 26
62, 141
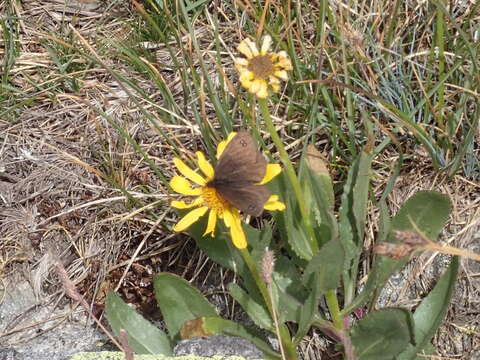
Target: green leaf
319, 195
308, 310
143, 337
347, 221
382, 334
325, 221
289, 221
221, 250
259, 240
216, 325
286, 274
296, 236
429, 210
328, 264
430, 313
354, 206
257, 312
352, 215
287, 291
179, 302
360, 195
319, 171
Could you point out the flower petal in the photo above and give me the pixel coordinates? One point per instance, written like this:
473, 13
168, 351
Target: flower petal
245, 49
284, 62
241, 62
266, 43
246, 78
262, 93
204, 165
238, 237
189, 173
273, 204
227, 218
274, 83
190, 218
272, 171
220, 147
223, 144
232, 220
273, 80
183, 205
252, 46
211, 224
256, 85
281, 74
273, 197
275, 87
182, 186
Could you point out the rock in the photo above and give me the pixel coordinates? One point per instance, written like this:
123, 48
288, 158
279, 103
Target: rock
9, 354
218, 345
120, 356
31, 330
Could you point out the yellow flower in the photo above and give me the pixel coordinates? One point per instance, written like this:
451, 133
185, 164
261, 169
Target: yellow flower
208, 199
262, 70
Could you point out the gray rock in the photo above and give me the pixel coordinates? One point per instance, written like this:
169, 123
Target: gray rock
105, 355
32, 330
218, 345
17, 299
9, 354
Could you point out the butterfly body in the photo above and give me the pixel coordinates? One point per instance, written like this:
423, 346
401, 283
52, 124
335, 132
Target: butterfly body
237, 174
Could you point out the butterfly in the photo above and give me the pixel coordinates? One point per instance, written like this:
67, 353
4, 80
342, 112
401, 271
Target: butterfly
237, 174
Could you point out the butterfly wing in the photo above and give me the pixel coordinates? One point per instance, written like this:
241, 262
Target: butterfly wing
240, 167
248, 198
241, 161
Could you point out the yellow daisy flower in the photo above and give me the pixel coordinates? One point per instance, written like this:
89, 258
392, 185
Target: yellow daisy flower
209, 200
262, 70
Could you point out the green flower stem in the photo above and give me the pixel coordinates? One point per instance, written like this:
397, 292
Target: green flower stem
284, 334
332, 303
292, 177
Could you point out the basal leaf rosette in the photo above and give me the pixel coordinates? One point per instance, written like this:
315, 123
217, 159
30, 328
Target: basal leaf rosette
208, 200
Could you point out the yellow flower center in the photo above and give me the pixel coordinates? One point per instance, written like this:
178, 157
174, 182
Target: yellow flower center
261, 66
214, 200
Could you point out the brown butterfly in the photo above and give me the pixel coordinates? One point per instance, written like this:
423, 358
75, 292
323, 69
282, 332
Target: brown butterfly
240, 167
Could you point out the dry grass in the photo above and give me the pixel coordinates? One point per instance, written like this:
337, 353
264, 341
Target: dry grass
62, 165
